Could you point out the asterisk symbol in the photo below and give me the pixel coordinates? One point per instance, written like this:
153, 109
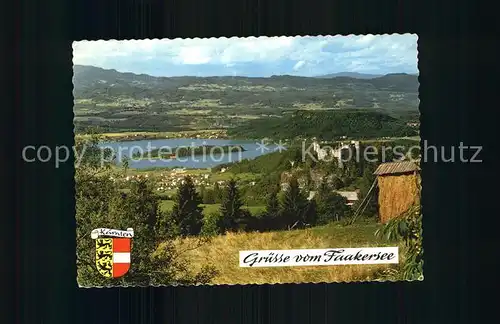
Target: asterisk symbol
262, 146
280, 146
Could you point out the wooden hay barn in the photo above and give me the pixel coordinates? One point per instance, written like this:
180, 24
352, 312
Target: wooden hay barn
399, 188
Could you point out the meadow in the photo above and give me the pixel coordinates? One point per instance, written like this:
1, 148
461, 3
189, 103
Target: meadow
222, 252
166, 206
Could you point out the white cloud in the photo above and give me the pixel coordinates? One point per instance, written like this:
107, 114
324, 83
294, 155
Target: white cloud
365, 52
194, 55
298, 65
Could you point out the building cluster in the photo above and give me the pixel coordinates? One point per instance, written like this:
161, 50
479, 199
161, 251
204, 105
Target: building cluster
215, 134
170, 180
326, 152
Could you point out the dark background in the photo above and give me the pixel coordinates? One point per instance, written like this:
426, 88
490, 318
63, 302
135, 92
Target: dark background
457, 89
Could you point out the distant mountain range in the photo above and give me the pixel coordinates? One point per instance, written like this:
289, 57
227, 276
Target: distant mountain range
90, 78
139, 101
354, 75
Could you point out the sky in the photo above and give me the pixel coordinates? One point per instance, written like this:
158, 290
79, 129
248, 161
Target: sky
252, 56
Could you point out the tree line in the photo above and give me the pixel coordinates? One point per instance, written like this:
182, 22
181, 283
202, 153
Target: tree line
285, 209
327, 125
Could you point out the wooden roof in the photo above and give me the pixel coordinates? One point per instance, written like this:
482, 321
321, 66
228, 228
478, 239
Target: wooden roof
396, 167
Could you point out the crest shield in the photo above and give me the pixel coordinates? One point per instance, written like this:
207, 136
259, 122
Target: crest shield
112, 256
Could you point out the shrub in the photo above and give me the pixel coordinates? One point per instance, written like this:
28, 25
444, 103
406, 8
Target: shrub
210, 224
407, 227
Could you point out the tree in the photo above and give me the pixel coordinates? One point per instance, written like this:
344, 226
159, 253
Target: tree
293, 204
211, 224
90, 155
139, 210
246, 221
218, 193
337, 183
187, 212
311, 214
231, 211
100, 203
93, 193
352, 169
333, 167
208, 196
272, 212
202, 193
311, 162
368, 172
125, 162
330, 205
295, 156
272, 204
370, 206
407, 228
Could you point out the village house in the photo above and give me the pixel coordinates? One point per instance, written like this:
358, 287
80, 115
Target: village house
399, 188
350, 196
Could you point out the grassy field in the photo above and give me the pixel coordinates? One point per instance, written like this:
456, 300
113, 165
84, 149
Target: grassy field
166, 205
223, 253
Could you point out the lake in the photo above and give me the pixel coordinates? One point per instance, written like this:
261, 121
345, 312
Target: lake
208, 160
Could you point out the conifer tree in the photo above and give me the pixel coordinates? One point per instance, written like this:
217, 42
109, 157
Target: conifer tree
371, 203
187, 213
126, 164
231, 211
272, 204
293, 204
310, 213
272, 212
218, 193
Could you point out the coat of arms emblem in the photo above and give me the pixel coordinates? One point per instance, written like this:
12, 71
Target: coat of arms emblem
112, 251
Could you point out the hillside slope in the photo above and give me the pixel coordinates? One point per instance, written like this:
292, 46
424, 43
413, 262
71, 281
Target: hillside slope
327, 125
126, 101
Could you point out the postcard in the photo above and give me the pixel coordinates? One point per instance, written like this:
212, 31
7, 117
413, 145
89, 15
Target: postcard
259, 160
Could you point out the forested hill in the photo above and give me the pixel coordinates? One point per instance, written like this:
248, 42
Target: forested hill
326, 125
391, 91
